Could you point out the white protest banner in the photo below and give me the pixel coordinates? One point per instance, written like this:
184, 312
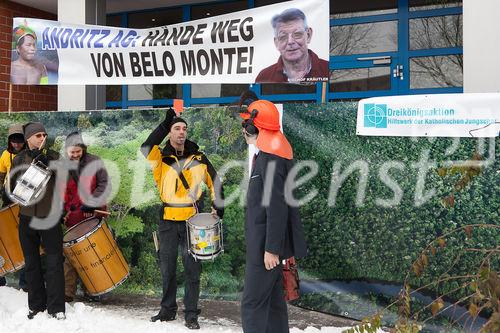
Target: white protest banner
240, 47
447, 115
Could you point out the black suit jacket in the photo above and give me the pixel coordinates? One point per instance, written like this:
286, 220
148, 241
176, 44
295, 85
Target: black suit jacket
270, 223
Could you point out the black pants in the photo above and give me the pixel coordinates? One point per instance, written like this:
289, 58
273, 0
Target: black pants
43, 293
263, 307
172, 235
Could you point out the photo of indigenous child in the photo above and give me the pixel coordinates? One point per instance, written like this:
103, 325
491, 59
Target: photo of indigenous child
28, 67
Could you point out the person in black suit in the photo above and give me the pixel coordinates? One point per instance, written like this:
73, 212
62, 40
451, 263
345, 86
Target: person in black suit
273, 230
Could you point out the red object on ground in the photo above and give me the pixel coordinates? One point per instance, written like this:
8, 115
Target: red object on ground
290, 280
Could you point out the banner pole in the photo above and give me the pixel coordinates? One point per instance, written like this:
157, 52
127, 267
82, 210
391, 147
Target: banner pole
9, 108
323, 93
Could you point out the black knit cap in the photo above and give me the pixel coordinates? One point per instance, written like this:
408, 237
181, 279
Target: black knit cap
16, 138
175, 121
32, 128
74, 139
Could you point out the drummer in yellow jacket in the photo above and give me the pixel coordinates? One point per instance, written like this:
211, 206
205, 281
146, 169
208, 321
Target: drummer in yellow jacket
178, 170
15, 143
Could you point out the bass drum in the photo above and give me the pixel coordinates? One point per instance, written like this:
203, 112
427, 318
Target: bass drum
95, 255
10, 247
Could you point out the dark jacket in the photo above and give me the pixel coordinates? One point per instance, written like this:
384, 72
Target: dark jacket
275, 73
42, 207
275, 228
93, 183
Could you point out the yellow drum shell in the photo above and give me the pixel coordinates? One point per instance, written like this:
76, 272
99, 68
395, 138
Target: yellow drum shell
94, 253
10, 247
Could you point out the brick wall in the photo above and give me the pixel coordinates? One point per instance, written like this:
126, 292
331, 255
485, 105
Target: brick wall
24, 98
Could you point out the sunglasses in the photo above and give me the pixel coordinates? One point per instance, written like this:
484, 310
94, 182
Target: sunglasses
40, 135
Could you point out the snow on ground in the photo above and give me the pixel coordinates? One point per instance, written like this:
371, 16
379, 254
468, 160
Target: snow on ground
82, 318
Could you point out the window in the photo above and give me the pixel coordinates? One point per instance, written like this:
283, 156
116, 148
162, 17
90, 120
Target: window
360, 79
114, 20
287, 88
113, 93
364, 38
213, 9
343, 9
436, 72
432, 4
260, 3
217, 90
436, 32
155, 18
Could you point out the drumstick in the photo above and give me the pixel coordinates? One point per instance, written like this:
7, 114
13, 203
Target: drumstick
43, 142
103, 212
155, 241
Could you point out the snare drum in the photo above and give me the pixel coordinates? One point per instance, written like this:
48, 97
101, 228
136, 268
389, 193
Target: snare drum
10, 247
93, 252
31, 184
204, 236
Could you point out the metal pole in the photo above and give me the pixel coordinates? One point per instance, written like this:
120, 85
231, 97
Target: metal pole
9, 108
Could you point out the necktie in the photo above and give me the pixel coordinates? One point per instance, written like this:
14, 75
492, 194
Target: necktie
253, 161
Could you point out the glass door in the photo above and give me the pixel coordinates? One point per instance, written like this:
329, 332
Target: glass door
395, 47
364, 48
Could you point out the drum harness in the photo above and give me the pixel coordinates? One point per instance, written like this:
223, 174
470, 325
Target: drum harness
178, 169
192, 195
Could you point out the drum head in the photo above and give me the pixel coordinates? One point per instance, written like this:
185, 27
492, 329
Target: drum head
81, 229
203, 220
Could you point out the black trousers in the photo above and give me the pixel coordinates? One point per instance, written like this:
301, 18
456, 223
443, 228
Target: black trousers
263, 306
172, 236
43, 292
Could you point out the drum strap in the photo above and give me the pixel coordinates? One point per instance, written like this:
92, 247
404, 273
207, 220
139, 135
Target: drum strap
181, 176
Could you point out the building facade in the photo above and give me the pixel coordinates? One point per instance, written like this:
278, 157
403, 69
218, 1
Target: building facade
377, 48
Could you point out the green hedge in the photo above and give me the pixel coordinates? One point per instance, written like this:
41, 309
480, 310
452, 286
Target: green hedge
372, 242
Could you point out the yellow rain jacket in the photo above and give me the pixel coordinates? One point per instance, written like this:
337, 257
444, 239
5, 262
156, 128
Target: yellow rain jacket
5, 164
179, 178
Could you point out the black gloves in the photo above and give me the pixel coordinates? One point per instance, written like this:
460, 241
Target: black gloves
169, 116
38, 155
219, 211
87, 209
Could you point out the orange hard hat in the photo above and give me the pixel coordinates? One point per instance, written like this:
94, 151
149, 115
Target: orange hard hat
268, 116
267, 119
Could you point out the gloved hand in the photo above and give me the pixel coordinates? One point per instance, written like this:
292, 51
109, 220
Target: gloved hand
87, 209
169, 116
38, 155
218, 211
